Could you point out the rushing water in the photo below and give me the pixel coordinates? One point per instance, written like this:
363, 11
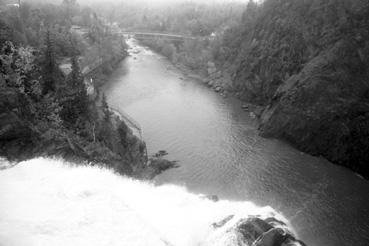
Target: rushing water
220, 152
45, 202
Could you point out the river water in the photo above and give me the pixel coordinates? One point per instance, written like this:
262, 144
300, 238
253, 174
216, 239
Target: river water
219, 152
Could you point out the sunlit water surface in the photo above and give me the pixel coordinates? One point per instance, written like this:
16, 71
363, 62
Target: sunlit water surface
220, 152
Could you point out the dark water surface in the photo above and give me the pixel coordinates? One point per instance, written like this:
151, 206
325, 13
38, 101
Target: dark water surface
220, 152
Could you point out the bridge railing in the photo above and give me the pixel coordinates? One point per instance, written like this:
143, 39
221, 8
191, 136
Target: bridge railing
127, 118
89, 68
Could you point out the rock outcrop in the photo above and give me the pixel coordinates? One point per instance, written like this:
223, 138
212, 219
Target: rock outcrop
255, 231
155, 165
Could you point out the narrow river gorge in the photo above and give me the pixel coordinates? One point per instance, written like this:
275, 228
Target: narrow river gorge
219, 152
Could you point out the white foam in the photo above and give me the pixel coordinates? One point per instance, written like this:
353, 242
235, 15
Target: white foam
46, 202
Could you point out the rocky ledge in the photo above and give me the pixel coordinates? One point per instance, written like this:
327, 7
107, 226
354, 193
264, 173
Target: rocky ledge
254, 231
155, 165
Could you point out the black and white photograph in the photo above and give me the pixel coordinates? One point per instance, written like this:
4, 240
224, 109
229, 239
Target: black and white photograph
184, 122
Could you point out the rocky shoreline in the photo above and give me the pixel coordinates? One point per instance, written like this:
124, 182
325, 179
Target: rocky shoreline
221, 84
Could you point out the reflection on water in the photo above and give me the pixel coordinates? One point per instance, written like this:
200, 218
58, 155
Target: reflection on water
221, 153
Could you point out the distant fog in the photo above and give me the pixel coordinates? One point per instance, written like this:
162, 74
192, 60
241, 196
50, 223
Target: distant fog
133, 2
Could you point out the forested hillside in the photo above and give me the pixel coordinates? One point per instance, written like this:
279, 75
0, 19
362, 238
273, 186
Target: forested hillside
308, 63
46, 109
204, 21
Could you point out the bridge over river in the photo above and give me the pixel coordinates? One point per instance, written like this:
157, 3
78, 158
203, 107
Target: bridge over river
155, 35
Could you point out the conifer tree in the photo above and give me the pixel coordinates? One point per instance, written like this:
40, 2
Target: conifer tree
105, 108
49, 65
81, 97
250, 13
77, 104
76, 78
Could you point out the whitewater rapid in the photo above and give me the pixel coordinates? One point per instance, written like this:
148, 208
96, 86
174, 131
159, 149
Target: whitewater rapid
50, 202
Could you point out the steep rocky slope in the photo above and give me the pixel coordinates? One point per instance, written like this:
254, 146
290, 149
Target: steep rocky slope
307, 62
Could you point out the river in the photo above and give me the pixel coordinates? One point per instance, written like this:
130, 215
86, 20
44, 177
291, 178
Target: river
219, 152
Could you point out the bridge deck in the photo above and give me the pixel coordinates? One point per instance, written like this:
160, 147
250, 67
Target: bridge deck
154, 34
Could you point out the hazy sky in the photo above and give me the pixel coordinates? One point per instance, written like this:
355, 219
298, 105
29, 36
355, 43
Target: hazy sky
157, 1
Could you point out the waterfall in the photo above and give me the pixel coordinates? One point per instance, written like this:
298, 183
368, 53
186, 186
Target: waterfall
51, 202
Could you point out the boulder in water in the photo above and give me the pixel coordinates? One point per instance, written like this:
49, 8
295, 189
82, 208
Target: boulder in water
218, 89
160, 153
255, 231
155, 166
245, 107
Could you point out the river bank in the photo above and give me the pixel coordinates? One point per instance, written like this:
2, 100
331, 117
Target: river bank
148, 166
220, 82
153, 165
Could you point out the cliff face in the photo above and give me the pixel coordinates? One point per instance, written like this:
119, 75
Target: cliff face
308, 63
253, 231
109, 141
324, 109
